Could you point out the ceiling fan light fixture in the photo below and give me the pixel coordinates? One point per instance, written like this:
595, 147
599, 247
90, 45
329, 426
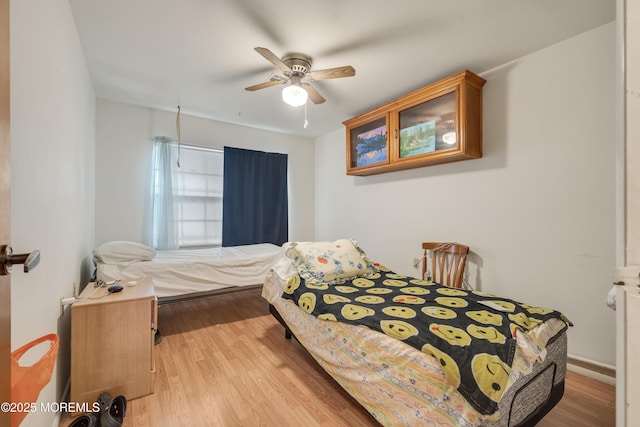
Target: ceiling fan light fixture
294, 95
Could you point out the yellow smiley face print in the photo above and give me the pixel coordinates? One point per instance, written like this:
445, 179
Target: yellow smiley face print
307, 302
370, 299
379, 291
361, 282
486, 317
451, 334
395, 276
526, 322
452, 302
345, 289
383, 268
292, 284
356, 312
333, 298
373, 276
451, 292
488, 333
394, 282
420, 282
439, 312
328, 316
408, 299
448, 365
491, 375
319, 286
482, 294
398, 329
504, 305
414, 290
399, 311
537, 310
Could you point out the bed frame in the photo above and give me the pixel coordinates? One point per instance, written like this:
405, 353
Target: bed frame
543, 384
206, 294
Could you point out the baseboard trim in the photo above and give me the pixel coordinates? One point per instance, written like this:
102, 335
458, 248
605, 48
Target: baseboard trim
588, 368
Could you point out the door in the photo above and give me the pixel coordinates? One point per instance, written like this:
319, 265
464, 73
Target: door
628, 341
5, 209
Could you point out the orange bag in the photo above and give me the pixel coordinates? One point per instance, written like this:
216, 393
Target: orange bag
28, 381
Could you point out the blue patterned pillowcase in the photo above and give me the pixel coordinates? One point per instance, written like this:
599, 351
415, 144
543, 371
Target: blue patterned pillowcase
330, 262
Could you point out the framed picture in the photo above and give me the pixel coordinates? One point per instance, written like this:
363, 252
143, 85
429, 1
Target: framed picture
418, 139
368, 144
371, 146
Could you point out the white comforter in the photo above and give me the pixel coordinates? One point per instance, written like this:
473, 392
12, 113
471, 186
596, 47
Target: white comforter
180, 272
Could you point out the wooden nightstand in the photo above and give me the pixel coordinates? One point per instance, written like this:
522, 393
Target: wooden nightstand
112, 339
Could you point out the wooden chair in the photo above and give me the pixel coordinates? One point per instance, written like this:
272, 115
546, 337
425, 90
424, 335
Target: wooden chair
448, 261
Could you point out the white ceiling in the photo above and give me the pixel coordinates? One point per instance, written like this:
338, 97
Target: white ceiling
199, 53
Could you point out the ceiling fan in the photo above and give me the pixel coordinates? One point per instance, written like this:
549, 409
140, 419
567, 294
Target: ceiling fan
296, 68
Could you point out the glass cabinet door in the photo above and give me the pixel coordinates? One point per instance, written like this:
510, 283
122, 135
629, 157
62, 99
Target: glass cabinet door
428, 127
368, 144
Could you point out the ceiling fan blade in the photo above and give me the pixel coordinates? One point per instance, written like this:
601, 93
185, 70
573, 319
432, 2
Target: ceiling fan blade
271, 57
314, 95
332, 73
265, 85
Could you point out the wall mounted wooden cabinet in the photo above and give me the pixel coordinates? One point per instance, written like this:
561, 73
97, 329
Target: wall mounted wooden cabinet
440, 123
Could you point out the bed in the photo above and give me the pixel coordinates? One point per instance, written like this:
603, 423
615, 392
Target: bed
398, 383
180, 274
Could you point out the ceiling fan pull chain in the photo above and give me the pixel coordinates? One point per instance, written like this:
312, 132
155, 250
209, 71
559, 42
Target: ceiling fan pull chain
306, 122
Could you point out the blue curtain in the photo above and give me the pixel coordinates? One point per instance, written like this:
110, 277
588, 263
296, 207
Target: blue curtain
255, 203
163, 232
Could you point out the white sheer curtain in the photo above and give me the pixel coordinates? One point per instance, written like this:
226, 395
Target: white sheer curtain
163, 230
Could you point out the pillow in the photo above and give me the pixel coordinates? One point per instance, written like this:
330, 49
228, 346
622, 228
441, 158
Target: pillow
122, 251
330, 262
282, 266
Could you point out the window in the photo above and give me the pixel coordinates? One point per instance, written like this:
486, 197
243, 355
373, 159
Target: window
198, 197
186, 207
185, 202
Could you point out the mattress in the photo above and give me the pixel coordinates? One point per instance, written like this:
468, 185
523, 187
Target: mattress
400, 385
183, 272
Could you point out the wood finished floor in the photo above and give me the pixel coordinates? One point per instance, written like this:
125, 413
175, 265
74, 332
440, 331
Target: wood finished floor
224, 361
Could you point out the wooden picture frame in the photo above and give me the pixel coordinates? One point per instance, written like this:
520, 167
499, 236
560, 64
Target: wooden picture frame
368, 143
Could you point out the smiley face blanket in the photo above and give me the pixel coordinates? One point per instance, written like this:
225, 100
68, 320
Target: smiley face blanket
471, 334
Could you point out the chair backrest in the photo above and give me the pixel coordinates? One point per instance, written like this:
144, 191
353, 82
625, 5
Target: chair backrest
447, 262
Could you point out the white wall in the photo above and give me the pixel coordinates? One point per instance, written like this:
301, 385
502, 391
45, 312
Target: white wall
537, 210
52, 182
123, 156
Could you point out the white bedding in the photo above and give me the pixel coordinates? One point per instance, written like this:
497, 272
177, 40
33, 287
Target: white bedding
181, 272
